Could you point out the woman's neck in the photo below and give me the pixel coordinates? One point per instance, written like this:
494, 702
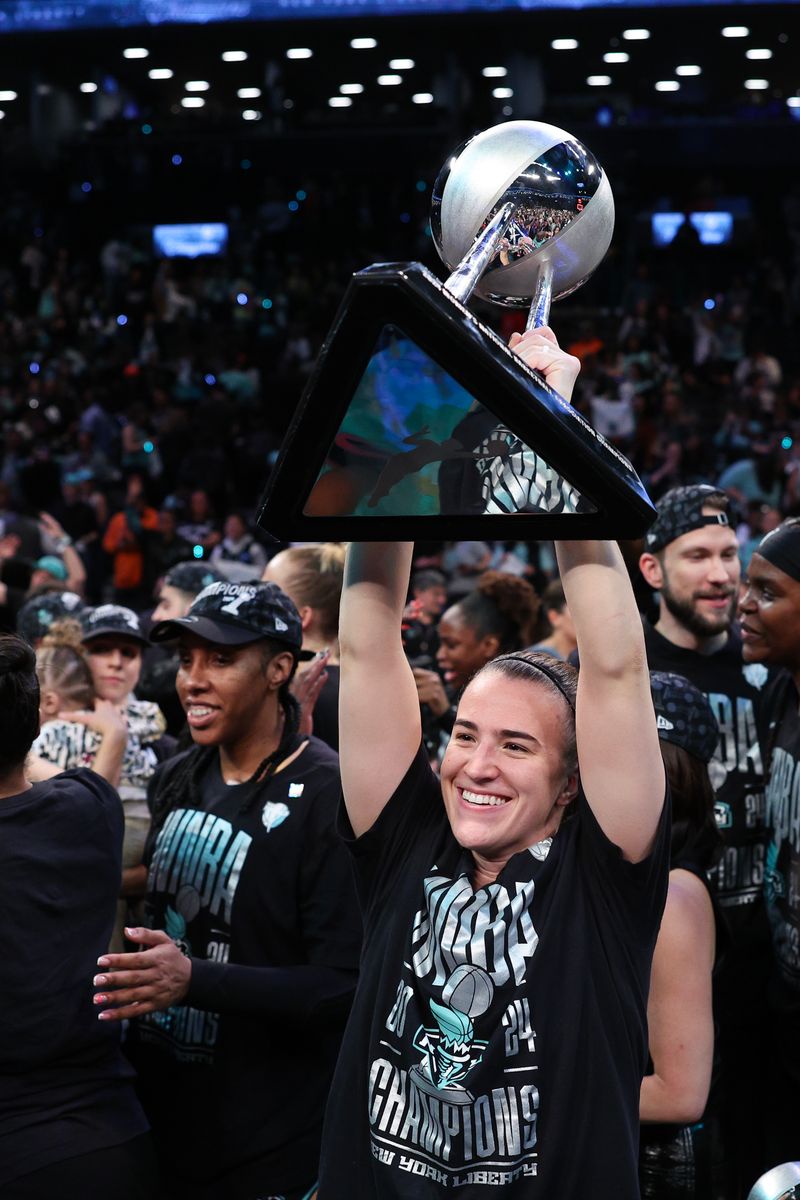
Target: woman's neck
313, 639
14, 782
239, 760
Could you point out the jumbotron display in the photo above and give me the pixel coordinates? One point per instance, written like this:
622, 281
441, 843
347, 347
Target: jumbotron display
22, 15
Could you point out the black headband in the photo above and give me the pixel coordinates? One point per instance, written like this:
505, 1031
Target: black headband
551, 675
781, 547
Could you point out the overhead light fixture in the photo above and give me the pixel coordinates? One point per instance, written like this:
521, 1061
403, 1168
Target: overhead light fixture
88, 87
390, 80
234, 55
688, 69
598, 80
251, 93
363, 43
564, 44
756, 85
401, 64
351, 89
636, 35
793, 102
494, 72
192, 102
2, 114
251, 114
340, 102
502, 93
758, 54
135, 52
668, 85
160, 73
422, 98
735, 31
616, 56
8, 96
300, 52
197, 85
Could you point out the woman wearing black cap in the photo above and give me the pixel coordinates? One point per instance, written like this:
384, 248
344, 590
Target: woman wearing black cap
676, 1158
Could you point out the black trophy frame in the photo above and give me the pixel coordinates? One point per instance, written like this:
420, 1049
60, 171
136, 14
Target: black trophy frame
408, 296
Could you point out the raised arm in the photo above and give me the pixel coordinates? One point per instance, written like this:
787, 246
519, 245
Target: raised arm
618, 753
379, 716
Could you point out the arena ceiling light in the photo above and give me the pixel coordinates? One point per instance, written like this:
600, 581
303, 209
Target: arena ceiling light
351, 89
197, 85
564, 44
756, 85
300, 52
755, 55
636, 35
502, 93
390, 80
363, 43
193, 102
401, 64
88, 87
234, 56
616, 56
735, 31
340, 102
8, 96
160, 73
667, 85
135, 52
249, 93
251, 114
494, 72
688, 69
422, 98
598, 80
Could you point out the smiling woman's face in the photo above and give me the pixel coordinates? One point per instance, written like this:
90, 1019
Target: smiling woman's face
504, 781
115, 663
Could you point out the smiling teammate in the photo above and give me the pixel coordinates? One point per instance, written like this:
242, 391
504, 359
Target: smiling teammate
770, 615
692, 558
497, 1041
249, 962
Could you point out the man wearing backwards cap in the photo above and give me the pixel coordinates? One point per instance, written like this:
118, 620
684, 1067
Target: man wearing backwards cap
770, 615
248, 965
691, 559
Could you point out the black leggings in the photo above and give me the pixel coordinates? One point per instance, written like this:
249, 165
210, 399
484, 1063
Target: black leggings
126, 1172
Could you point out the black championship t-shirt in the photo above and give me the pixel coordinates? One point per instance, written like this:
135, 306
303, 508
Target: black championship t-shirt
734, 691
254, 885
498, 1037
65, 1088
782, 881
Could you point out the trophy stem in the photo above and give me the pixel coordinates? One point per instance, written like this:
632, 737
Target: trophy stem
463, 280
542, 298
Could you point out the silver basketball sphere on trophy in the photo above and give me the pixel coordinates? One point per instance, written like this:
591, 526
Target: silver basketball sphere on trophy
563, 214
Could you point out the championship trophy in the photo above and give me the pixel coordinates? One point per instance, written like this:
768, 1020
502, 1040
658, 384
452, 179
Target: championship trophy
418, 421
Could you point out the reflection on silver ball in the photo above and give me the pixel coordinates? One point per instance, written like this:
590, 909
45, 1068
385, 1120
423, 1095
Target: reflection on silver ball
469, 990
565, 209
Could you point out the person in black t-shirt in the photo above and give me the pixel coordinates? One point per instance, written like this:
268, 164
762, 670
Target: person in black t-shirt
498, 1036
770, 614
249, 961
69, 1116
692, 557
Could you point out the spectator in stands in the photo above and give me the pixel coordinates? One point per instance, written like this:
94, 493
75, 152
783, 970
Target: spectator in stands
128, 539
238, 556
560, 640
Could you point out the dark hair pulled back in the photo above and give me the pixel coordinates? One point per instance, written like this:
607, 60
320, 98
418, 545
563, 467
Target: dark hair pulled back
19, 701
504, 606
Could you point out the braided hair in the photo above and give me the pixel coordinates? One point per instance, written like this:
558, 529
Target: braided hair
183, 784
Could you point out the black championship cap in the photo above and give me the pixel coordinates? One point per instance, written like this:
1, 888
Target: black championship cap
111, 620
191, 576
680, 510
683, 715
38, 614
233, 614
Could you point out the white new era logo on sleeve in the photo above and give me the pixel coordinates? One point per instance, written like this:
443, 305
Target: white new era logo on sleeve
663, 723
